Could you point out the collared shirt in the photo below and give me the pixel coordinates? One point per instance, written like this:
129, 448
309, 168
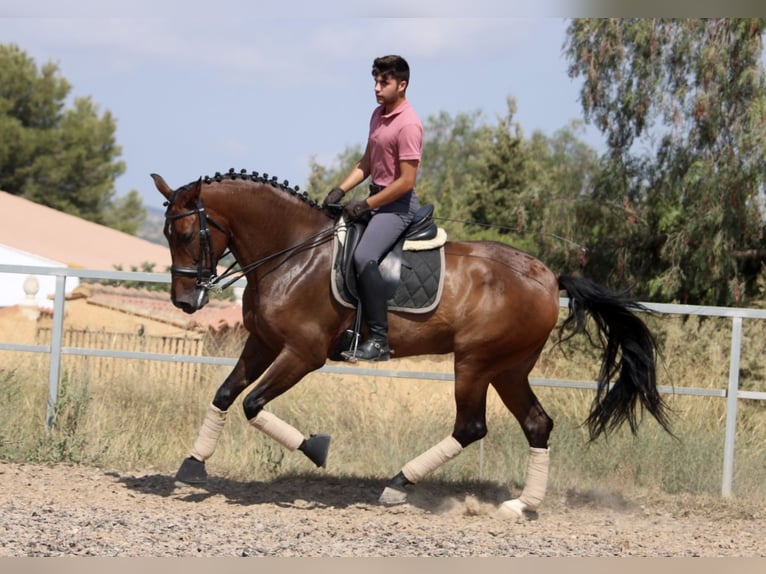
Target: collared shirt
393, 137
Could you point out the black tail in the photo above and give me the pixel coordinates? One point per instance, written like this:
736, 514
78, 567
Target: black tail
629, 354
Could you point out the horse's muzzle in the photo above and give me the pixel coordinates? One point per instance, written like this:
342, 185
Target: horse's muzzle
191, 301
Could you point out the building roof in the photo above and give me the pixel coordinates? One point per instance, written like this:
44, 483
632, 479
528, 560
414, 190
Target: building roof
39, 230
216, 316
120, 310
42, 234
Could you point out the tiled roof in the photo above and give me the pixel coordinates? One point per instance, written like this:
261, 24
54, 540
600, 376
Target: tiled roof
57, 236
216, 316
39, 230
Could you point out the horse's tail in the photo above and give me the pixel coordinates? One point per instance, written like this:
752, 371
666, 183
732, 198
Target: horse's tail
629, 354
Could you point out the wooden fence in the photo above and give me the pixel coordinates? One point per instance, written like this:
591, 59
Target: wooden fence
106, 367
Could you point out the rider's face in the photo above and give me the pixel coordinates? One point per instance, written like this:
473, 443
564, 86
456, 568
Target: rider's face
388, 91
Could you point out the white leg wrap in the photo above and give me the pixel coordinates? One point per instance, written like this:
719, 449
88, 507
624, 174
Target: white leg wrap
537, 477
211, 429
420, 467
534, 486
271, 425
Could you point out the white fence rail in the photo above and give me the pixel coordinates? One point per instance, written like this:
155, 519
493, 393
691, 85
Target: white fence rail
731, 392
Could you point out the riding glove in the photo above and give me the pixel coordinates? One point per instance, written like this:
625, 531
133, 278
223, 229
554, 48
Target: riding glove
333, 197
356, 209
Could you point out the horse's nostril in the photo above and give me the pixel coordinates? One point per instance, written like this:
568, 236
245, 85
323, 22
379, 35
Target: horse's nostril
184, 306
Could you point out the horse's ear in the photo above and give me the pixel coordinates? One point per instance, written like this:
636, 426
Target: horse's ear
162, 186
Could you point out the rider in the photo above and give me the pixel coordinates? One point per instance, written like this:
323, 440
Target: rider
391, 159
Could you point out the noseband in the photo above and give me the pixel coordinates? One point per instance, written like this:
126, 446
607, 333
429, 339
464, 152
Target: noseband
206, 276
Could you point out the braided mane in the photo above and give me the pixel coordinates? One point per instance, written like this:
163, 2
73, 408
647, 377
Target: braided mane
264, 178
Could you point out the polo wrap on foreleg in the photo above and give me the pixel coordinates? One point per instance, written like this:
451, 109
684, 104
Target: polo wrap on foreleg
537, 477
271, 425
209, 432
420, 467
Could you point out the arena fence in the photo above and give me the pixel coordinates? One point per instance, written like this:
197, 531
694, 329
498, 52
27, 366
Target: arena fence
107, 367
190, 356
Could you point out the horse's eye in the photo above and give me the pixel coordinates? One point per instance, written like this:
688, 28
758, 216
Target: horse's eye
182, 237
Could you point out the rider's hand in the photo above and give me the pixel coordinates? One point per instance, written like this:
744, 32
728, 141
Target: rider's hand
333, 197
356, 209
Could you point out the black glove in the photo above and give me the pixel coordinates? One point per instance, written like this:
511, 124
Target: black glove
333, 197
356, 209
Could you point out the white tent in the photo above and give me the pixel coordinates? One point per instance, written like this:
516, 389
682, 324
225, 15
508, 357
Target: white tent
16, 287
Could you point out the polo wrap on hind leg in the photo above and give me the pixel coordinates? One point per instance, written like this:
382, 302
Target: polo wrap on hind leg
537, 477
535, 484
271, 425
209, 433
423, 465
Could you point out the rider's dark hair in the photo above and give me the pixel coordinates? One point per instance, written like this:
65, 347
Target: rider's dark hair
392, 66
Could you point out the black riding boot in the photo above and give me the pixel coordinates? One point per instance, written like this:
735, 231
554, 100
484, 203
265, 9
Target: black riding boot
372, 294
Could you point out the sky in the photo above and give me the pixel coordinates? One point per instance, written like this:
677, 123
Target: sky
195, 92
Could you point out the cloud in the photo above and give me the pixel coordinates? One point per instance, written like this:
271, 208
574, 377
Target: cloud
241, 51
258, 9
454, 37
230, 146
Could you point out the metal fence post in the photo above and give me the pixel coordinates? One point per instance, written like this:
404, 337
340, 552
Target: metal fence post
57, 337
731, 406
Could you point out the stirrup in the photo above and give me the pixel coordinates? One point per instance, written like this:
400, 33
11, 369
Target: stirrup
370, 350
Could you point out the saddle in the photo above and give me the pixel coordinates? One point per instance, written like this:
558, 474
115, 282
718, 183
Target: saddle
412, 270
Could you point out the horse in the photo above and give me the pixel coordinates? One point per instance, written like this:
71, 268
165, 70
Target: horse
498, 307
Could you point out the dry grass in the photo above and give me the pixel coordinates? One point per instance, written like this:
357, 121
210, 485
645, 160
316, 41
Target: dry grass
379, 423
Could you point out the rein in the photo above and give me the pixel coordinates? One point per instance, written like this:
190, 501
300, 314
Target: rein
309, 243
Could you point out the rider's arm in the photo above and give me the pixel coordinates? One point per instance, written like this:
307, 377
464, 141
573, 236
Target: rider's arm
405, 182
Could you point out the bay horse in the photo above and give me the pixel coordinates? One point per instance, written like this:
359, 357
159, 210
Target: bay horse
497, 309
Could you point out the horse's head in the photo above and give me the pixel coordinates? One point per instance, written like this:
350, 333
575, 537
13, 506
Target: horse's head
196, 243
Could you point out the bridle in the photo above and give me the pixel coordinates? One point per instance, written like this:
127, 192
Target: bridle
206, 275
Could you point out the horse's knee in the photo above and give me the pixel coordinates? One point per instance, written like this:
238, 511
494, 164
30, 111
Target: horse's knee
229, 390
252, 405
224, 398
471, 432
537, 428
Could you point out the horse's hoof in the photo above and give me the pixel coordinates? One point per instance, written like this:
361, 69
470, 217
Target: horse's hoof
191, 473
392, 496
514, 510
316, 448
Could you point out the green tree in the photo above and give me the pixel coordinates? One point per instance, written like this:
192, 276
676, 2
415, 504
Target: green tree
65, 158
323, 178
493, 183
127, 214
560, 172
683, 106
451, 148
501, 180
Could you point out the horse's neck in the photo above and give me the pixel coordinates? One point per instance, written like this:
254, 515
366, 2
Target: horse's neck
263, 224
